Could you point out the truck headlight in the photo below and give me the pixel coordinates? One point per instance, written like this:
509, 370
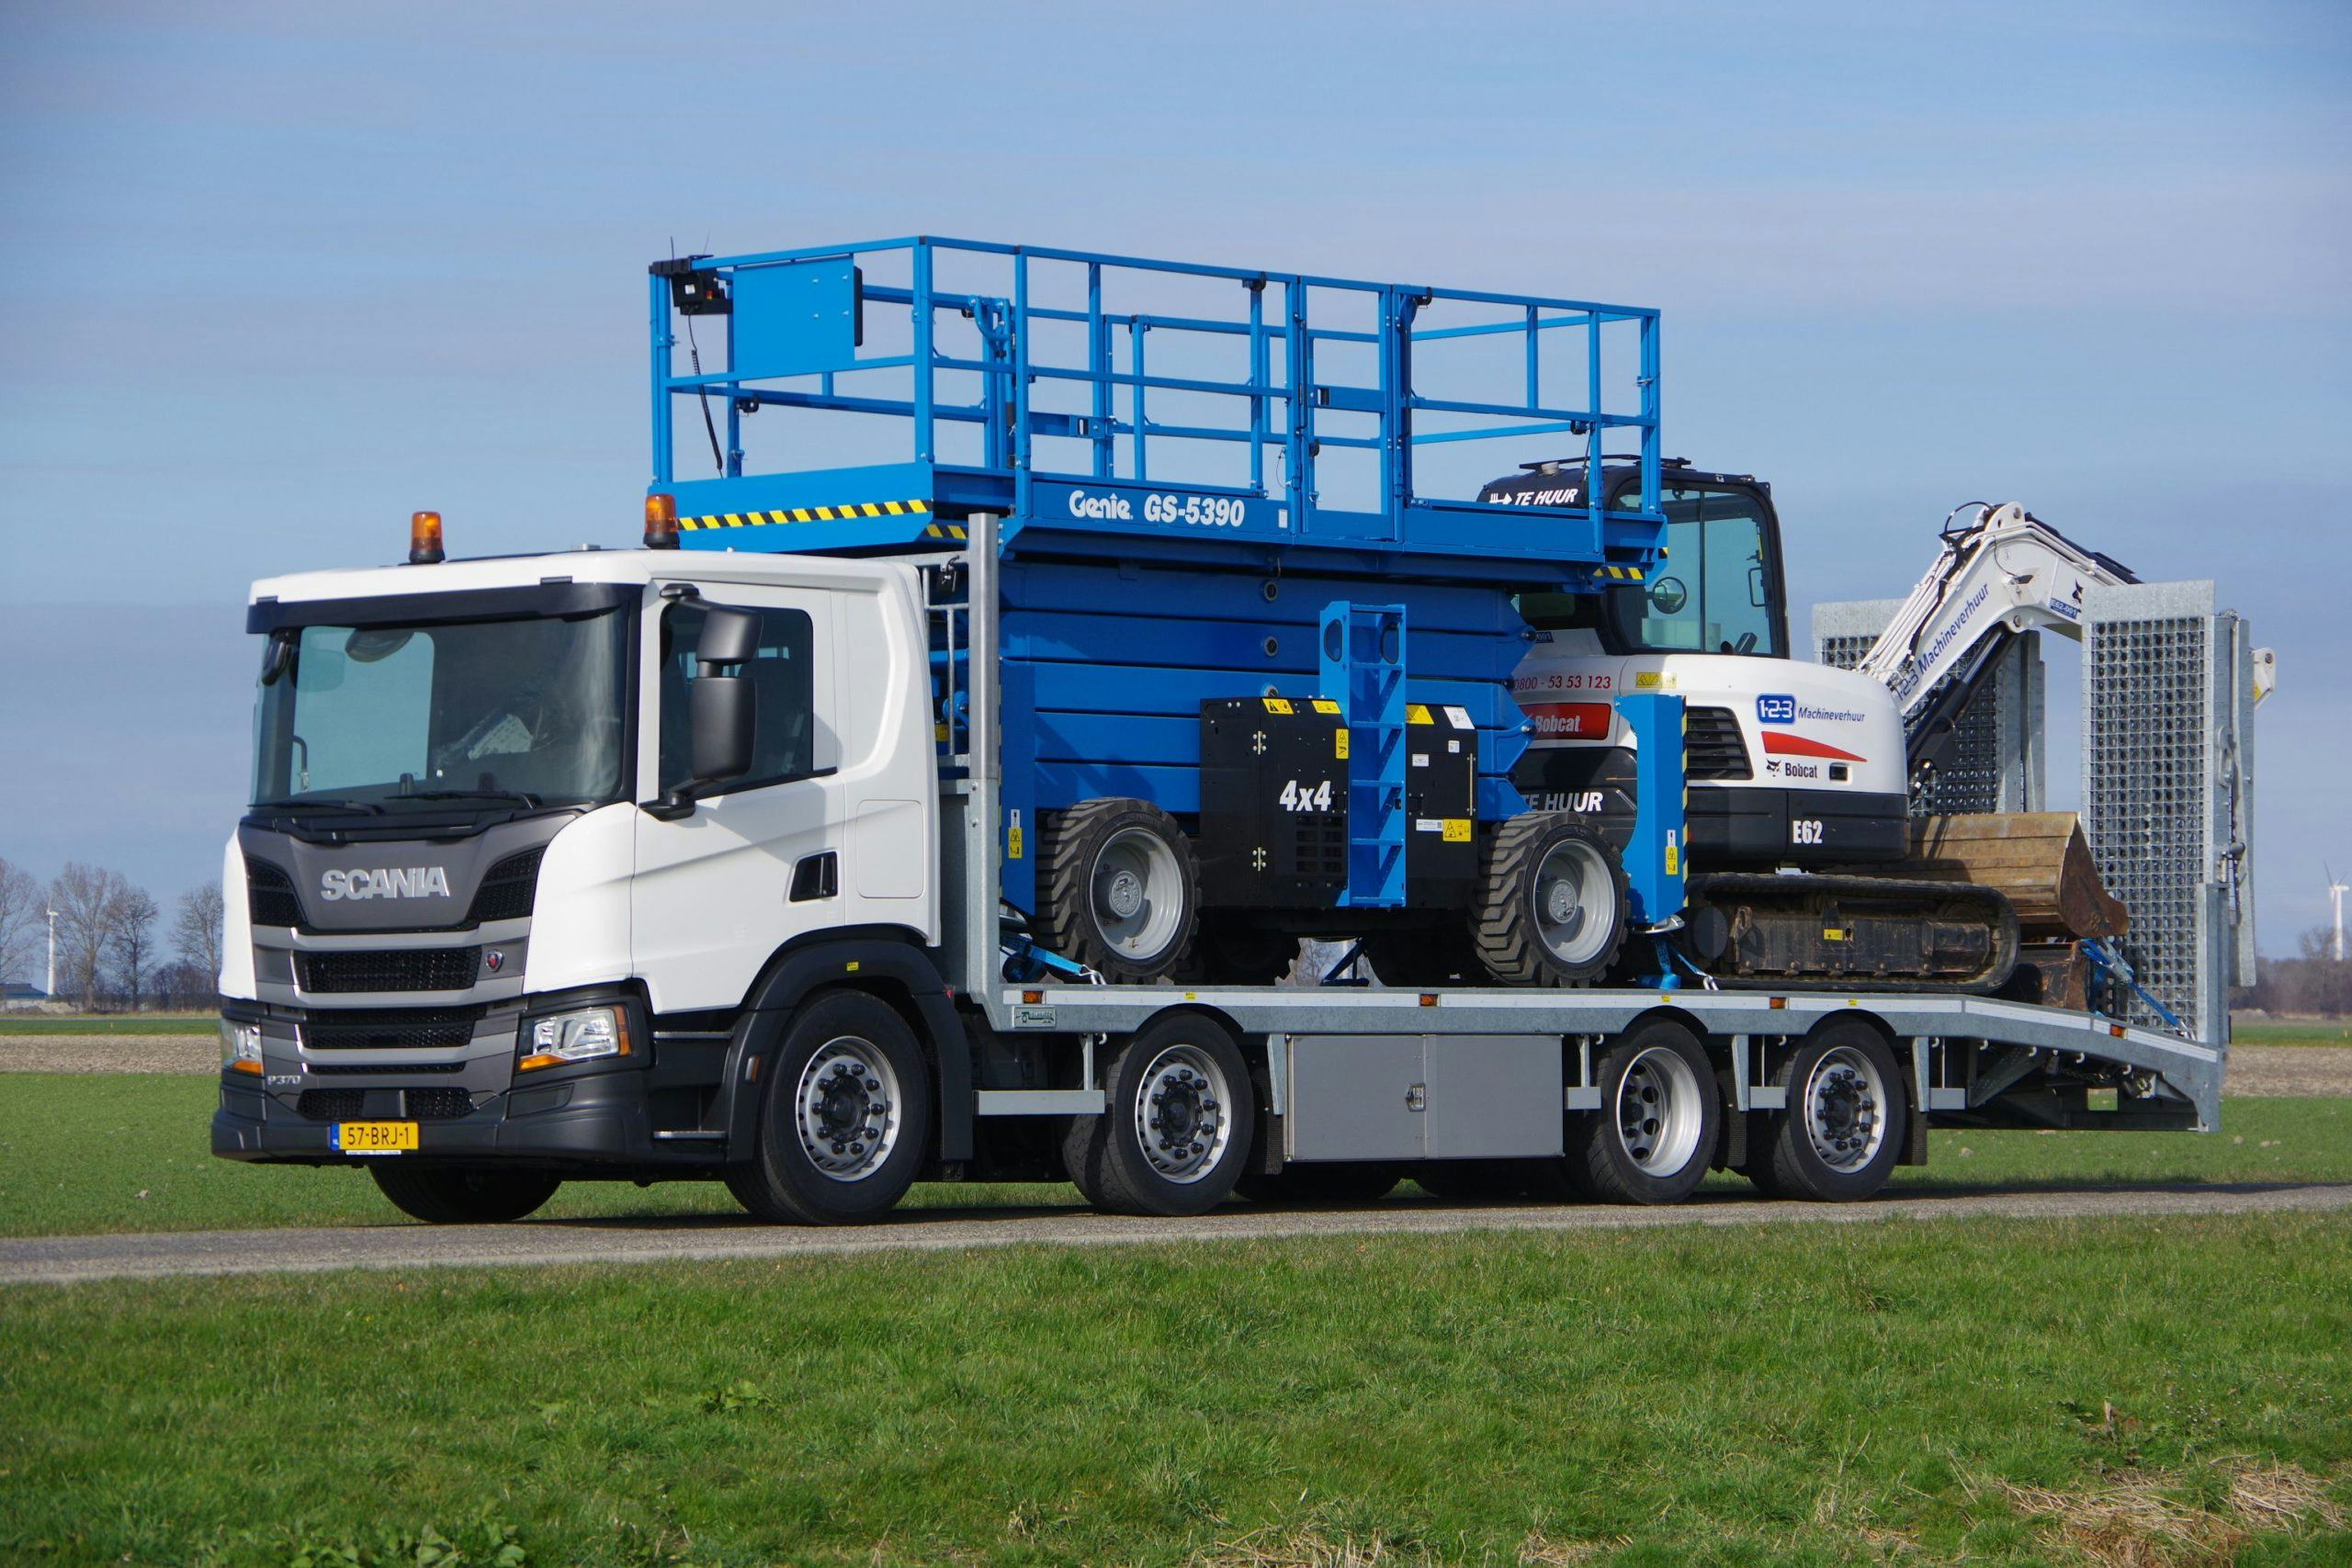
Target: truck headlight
239, 1048
581, 1034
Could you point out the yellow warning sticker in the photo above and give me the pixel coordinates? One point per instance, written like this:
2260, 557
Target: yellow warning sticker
1418, 713
1646, 679
1457, 830
1833, 933
1673, 860
1325, 705
1013, 842
1279, 705
1340, 744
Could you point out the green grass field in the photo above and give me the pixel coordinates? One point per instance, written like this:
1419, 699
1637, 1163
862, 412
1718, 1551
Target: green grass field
114, 1023
2292, 1031
85, 1153
1809, 1394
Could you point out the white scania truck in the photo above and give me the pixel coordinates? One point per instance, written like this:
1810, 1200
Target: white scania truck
904, 822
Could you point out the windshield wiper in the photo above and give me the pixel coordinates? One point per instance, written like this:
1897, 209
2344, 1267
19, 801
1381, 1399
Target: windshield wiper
531, 801
300, 803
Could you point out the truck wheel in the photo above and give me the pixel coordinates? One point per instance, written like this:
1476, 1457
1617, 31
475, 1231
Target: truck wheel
1322, 1181
845, 1120
446, 1195
1118, 888
1661, 1113
1174, 1132
1843, 1129
1552, 903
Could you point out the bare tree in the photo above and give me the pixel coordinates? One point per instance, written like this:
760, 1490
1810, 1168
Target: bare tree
196, 928
84, 898
130, 939
184, 984
22, 921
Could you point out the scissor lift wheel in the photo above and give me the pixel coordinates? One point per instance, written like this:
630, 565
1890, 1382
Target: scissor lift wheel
1118, 888
1552, 903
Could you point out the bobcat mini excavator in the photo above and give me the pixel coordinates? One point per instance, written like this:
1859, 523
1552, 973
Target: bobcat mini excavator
1804, 780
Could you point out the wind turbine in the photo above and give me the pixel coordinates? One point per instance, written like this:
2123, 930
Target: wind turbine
2335, 892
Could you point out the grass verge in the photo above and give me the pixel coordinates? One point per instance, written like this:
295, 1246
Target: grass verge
114, 1023
2293, 1031
1981, 1390
85, 1155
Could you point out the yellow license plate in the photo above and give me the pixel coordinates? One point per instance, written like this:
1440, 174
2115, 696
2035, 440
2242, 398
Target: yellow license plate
375, 1137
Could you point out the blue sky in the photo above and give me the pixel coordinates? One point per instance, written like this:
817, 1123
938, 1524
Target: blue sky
279, 274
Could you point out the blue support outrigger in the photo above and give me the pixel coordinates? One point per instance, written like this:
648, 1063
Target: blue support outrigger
1190, 469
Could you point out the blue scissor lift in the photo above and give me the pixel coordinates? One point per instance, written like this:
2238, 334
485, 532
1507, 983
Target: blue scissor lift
1208, 483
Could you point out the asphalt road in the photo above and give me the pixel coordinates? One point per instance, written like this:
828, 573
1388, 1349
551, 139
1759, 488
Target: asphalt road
77, 1259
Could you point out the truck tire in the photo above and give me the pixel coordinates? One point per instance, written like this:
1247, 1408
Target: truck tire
1661, 1115
1322, 1181
845, 1118
458, 1195
1551, 907
1839, 1138
1118, 888
1178, 1112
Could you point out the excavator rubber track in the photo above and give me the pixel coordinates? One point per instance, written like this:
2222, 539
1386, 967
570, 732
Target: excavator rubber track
1755, 932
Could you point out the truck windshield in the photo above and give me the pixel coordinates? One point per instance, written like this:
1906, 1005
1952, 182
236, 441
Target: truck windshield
525, 710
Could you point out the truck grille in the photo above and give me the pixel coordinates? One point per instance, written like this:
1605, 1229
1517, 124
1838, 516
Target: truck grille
417, 1104
506, 894
1712, 748
436, 1104
390, 969
507, 890
332, 1104
408, 1028
270, 900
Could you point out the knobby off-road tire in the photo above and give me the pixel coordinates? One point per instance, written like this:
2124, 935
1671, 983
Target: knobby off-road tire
1843, 1131
454, 1195
1118, 888
1660, 1116
1179, 1113
1551, 907
845, 1114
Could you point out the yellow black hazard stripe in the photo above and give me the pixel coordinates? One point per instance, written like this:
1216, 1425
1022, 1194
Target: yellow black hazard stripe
828, 515
1618, 573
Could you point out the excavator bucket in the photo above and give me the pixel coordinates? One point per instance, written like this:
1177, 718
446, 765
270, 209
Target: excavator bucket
2039, 857
2042, 861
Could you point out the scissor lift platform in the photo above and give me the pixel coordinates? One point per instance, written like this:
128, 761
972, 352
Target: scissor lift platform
1106, 405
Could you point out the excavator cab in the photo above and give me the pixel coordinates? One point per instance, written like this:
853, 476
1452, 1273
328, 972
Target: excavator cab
1720, 587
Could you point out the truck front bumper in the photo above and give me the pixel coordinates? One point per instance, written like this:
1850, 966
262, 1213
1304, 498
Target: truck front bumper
596, 1119
470, 1104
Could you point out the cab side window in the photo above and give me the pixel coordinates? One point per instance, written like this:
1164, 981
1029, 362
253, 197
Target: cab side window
783, 683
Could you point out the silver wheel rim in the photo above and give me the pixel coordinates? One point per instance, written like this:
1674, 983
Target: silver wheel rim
1845, 1109
1183, 1119
849, 1108
1658, 1112
1575, 902
1137, 894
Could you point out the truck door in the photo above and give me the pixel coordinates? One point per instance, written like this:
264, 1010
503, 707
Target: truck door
756, 862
